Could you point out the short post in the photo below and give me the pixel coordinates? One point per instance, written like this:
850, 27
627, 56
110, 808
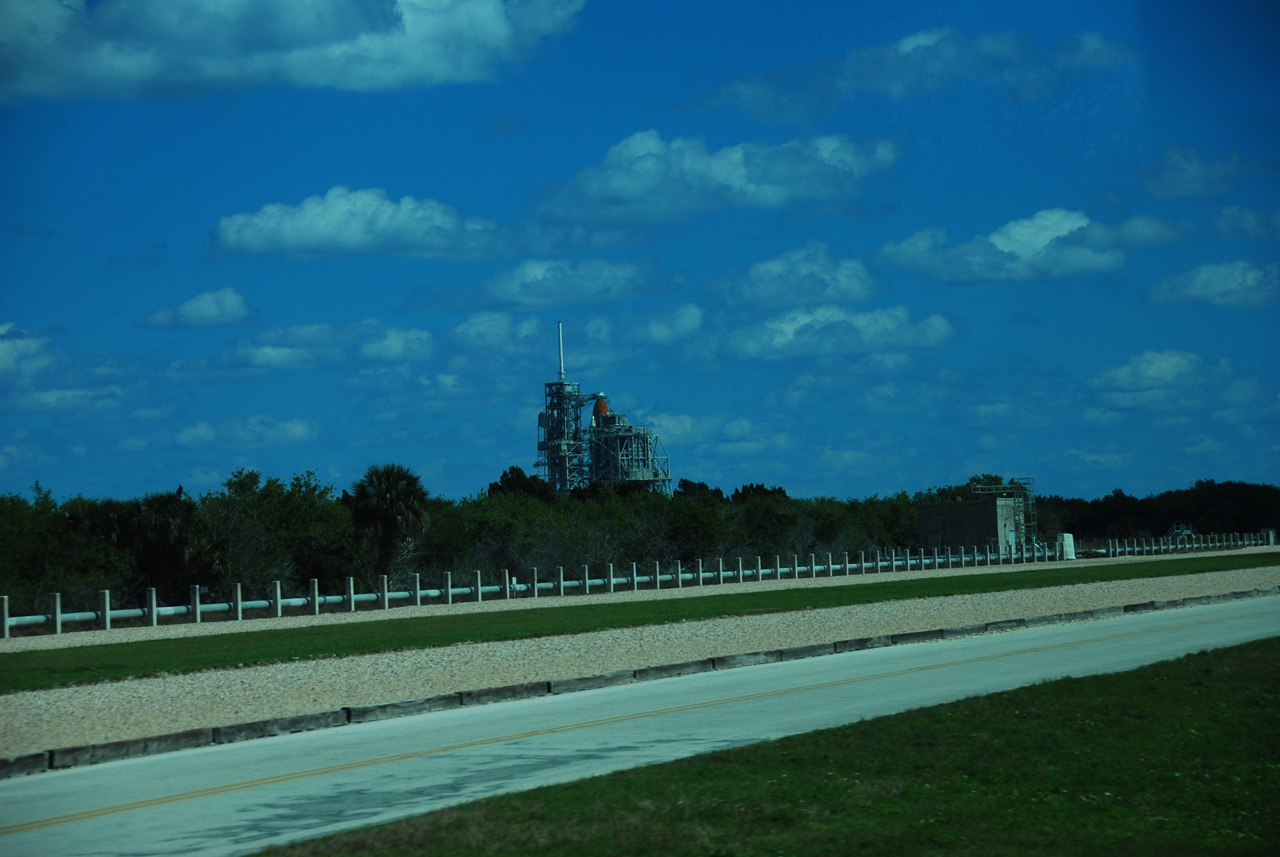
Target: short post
657, 575
534, 571
314, 597
479, 593
720, 580
55, 611
383, 600
4, 617
153, 618
448, 587
586, 579
699, 572
560, 580
759, 571
845, 564
679, 575
611, 578
277, 609
104, 609
506, 584
351, 595
813, 566
741, 579
877, 569
935, 559
777, 567
862, 562
415, 583
237, 603
195, 604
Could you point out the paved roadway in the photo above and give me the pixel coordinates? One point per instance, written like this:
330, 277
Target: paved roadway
238, 798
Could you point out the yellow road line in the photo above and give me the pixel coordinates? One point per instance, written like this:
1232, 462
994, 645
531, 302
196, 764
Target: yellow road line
622, 718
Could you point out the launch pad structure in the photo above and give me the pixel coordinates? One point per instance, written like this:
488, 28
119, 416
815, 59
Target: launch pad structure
610, 450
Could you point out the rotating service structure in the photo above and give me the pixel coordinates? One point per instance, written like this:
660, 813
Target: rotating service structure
609, 450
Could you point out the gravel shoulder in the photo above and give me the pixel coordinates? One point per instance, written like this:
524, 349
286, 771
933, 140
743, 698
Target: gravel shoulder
63, 717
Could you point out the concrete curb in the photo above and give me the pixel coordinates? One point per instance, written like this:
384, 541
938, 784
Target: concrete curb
92, 754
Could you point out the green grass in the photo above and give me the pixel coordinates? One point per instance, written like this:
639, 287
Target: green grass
1179, 758
79, 665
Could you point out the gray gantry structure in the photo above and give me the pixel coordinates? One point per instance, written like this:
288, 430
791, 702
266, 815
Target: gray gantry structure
609, 450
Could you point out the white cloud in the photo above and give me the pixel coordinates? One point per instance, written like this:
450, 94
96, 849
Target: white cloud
1236, 222
360, 221
208, 309
1051, 244
22, 355
1183, 172
247, 433
645, 179
399, 344
127, 48
1159, 379
1237, 284
803, 276
831, 330
495, 332
101, 398
551, 282
672, 324
918, 65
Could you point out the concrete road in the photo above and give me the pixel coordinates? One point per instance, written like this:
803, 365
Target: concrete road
238, 798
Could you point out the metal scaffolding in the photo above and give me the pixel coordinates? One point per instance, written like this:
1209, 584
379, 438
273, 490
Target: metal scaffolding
610, 450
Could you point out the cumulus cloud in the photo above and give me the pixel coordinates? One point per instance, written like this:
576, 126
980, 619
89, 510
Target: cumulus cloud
247, 433
1183, 172
670, 325
69, 399
359, 221
127, 48
645, 179
498, 332
400, 345
1236, 222
807, 275
551, 282
1237, 284
918, 65
1051, 244
23, 354
832, 330
208, 309
1159, 379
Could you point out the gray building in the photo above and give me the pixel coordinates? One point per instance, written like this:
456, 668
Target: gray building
988, 522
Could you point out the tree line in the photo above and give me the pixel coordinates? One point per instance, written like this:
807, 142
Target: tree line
254, 530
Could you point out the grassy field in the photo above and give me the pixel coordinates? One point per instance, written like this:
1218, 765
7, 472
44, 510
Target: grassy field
1179, 758
79, 665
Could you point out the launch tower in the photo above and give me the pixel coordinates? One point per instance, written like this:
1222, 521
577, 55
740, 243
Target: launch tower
609, 450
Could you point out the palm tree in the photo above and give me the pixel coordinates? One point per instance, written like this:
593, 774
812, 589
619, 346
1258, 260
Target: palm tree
389, 505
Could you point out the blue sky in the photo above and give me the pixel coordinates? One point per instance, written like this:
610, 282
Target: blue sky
843, 248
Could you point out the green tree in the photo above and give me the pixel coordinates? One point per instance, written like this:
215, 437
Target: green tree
389, 508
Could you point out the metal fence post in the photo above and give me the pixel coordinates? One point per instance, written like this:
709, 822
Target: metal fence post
195, 604
586, 579
104, 609
479, 585
448, 587
534, 572
351, 595
4, 616
720, 579
415, 583
635, 583
611, 578
679, 575
657, 574
506, 584
759, 571
153, 618
315, 596
237, 602
277, 609
560, 580
383, 600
